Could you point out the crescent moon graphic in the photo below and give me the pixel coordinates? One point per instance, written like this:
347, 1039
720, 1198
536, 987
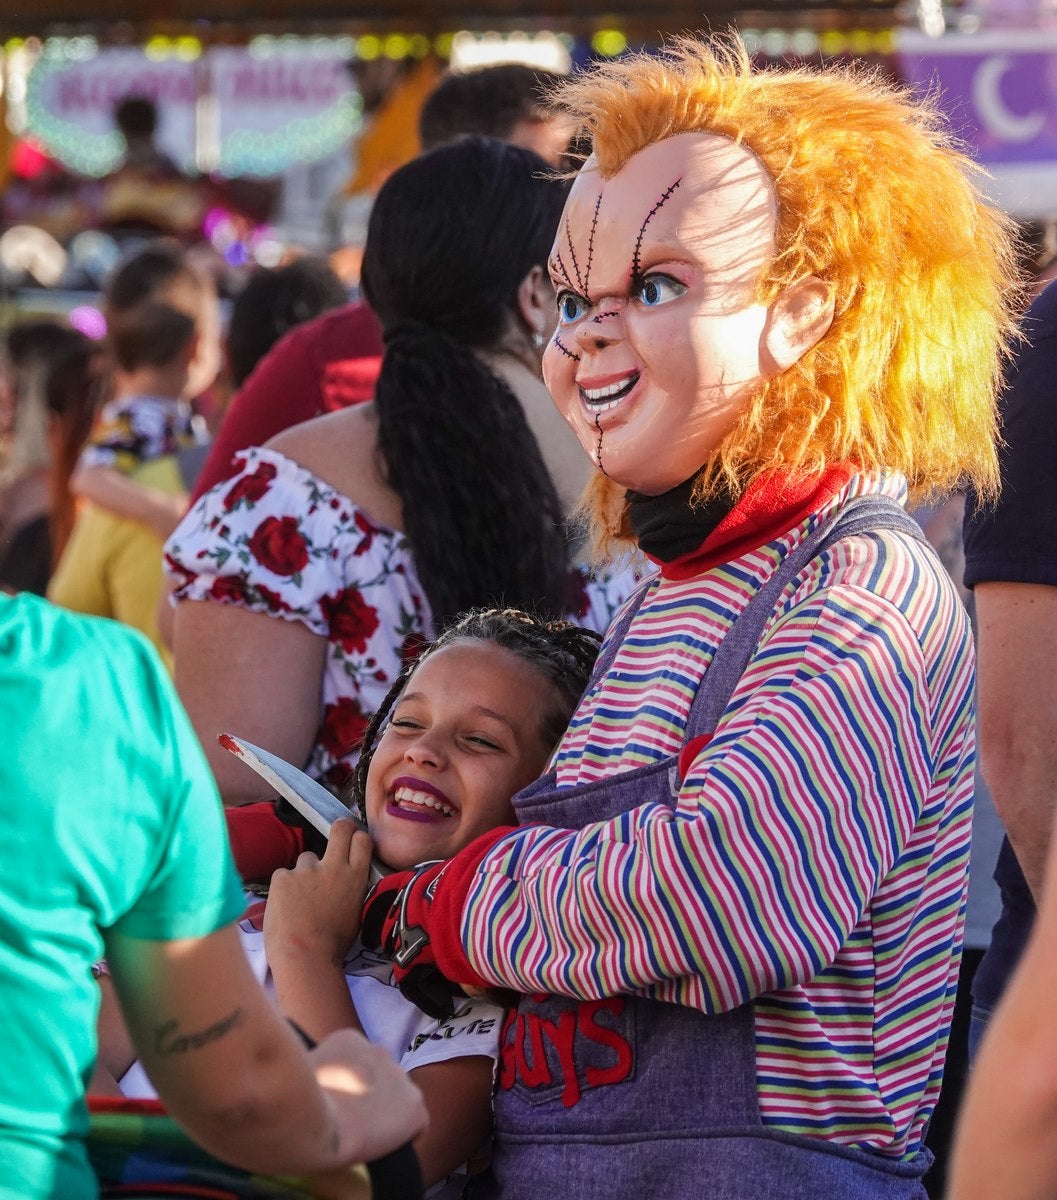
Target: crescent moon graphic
989, 104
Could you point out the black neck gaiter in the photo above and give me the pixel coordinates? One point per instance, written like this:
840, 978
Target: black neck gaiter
669, 526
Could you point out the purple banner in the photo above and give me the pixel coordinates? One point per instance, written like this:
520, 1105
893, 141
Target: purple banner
998, 89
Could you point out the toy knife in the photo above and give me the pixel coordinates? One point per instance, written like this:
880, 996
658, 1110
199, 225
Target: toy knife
308, 797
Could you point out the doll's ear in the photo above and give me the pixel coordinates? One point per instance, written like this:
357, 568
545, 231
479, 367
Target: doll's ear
800, 318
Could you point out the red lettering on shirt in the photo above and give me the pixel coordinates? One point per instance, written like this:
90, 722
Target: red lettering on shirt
523, 1058
589, 1027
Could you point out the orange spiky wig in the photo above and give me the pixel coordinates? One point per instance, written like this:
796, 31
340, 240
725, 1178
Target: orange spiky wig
872, 197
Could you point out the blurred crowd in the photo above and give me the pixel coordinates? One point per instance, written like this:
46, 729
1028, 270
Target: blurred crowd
295, 490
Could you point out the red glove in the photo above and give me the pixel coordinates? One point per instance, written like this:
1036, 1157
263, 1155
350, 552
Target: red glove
413, 917
260, 842
266, 836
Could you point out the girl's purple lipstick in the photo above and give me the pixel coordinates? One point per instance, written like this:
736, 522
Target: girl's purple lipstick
415, 800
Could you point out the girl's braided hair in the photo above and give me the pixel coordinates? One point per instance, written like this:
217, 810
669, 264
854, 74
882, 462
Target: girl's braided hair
562, 651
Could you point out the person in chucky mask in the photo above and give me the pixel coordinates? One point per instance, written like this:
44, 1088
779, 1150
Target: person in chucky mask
733, 908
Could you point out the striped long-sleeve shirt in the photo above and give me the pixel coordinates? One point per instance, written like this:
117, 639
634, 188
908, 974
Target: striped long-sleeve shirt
815, 860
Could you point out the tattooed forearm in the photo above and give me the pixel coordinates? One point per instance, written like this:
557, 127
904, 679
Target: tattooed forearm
169, 1040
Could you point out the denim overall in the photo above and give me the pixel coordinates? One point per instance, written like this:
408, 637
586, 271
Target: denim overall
633, 1097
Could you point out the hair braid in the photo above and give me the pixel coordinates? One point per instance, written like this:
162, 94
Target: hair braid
452, 238
480, 510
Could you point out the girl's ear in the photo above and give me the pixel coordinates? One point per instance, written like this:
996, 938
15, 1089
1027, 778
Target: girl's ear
799, 319
535, 303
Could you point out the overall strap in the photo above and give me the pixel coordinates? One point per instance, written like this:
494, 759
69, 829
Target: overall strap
864, 514
616, 634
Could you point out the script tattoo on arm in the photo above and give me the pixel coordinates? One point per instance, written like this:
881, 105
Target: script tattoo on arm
169, 1040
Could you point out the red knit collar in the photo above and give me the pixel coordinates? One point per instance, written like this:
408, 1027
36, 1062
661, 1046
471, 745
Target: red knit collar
770, 506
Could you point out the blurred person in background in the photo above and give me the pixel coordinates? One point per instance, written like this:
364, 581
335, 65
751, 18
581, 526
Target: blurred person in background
147, 194
1011, 565
507, 101
54, 379
148, 300
333, 361
164, 339
273, 301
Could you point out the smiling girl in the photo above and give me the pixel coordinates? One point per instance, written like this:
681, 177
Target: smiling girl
470, 724
471, 721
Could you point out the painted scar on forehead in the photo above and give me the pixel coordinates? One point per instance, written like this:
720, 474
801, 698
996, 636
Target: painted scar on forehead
558, 267
591, 247
583, 281
665, 197
572, 255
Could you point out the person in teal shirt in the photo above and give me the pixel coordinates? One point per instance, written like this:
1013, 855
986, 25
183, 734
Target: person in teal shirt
114, 844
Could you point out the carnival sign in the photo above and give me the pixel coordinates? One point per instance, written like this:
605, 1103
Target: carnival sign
999, 92
230, 109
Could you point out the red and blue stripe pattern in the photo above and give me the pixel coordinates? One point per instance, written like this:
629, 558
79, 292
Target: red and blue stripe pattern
815, 859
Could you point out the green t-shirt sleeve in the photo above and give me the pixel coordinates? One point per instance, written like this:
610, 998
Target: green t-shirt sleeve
191, 887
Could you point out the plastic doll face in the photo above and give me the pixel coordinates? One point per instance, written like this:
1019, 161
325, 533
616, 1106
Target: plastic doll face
660, 341
463, 738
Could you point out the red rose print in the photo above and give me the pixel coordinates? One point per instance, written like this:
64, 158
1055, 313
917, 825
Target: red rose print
411, 647
350, 618
343, 727
274, 602
277, 544
250, 487
176, 568
367, 529
227, 589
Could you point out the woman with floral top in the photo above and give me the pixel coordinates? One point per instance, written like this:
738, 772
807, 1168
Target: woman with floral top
303, 582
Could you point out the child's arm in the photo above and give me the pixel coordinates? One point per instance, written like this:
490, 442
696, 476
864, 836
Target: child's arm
311, 920
458, 1095
115, 491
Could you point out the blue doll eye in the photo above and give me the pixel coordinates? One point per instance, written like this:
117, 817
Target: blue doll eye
571, 307
659, 289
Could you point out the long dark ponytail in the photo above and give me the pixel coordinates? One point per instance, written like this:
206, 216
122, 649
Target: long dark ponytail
451, 237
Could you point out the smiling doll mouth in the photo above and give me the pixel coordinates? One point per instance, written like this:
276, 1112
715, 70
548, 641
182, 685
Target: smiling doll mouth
602, 398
